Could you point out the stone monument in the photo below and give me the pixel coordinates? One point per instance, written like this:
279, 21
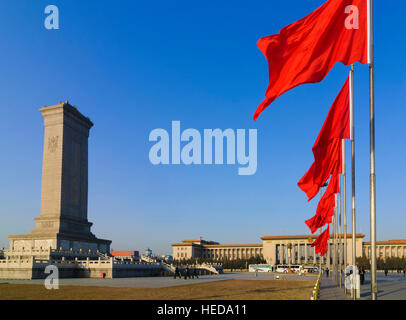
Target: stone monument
63, 224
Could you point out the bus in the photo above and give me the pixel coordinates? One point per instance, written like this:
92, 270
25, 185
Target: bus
284, 268
261, 268
311, 269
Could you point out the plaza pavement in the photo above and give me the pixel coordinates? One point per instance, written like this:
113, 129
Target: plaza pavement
392, 287
161, 282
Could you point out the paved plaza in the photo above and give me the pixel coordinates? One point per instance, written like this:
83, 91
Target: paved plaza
392, 287
162, 282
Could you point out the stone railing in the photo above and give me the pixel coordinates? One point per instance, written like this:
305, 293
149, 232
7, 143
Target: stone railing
50, 251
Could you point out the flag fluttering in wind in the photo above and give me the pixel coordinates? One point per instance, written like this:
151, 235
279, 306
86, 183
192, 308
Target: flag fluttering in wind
306, 50
325, 208
327, 149
328, 160
321, 242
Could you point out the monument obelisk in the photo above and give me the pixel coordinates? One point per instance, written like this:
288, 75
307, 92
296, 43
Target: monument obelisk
63, 223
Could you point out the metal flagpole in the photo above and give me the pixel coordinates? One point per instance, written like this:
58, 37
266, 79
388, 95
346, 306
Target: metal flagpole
340, 239
354, 248
374, 289
335, 238
321, 230
337, 256
345, 208
332, 247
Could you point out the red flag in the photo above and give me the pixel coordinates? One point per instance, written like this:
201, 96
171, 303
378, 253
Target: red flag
327, 149
325, 208
322, 241
337, 123
306, 50
330, 162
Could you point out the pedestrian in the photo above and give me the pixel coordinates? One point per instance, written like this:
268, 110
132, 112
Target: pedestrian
362, 275
177, 273
256, 273
187, 275
195, 273
327, 272
404, 272
386, 272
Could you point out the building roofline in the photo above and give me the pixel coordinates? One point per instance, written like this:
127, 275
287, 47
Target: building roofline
216, 245
312, 236
232, 245
400, 241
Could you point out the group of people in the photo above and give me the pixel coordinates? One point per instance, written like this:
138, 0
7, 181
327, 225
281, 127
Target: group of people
189, 273
399, 271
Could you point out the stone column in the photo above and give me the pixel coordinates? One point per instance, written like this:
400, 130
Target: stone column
282, 251
314, 255
328, 255
306, 253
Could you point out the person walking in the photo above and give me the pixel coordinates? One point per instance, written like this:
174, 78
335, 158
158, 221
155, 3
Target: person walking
361, 275
327, 272
386, 272
404, 272
195, 273
177, 273
187, 274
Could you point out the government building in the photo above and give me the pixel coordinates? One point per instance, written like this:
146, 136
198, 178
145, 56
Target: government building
295, 249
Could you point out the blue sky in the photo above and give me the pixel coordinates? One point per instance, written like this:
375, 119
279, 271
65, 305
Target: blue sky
135, 66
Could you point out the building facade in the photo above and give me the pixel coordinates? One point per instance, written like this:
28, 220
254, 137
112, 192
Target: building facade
294, 249
211, 249
386, 249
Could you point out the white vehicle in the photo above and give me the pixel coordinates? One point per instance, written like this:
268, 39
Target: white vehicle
261, 268
284, 268
311, 269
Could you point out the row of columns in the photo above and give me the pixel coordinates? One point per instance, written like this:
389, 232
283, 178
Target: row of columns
297, 254
398, 252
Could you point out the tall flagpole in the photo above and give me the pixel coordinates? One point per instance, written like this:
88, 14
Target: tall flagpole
337, 255
340, 253
374, 289
354, 247
335, 238
345, 208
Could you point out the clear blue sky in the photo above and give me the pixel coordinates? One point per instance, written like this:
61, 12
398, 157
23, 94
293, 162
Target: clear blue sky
134, 66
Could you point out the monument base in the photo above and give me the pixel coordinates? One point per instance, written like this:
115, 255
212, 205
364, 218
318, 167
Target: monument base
54, 246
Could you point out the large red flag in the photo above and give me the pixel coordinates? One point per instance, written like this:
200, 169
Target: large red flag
327, 149
337, 123
322, 168
325, 208
305, 51
321, 242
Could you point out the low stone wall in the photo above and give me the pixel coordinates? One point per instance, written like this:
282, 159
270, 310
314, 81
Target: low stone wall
35, 269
